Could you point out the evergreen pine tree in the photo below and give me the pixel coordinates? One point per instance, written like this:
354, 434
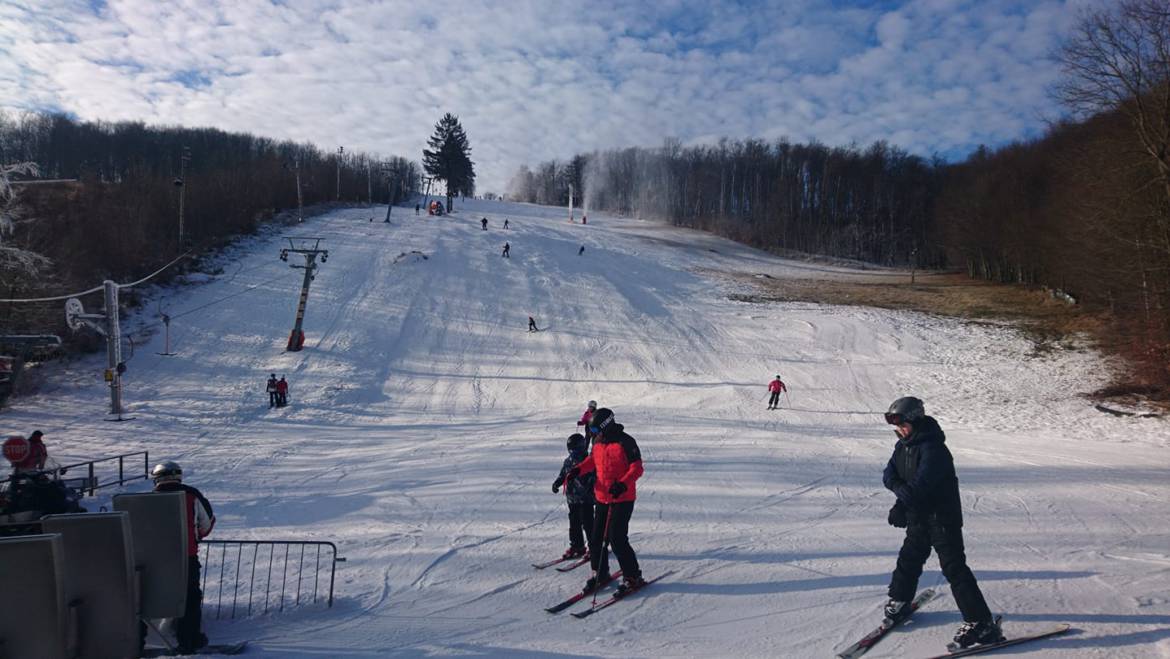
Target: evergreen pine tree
449, 158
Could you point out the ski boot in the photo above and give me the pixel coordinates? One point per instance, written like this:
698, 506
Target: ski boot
895, 611
573, 552
629, 585
595, 582
978, 633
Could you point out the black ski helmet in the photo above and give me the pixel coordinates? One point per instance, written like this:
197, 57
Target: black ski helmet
576, 440
167, 472
601, 420
907, 409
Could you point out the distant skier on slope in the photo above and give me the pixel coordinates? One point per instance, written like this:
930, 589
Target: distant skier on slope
579, 495
507, 248
921, 474
281, 392
618, 464
273, 396
581, 251
484, 223
776, 386
532, 325
505, 223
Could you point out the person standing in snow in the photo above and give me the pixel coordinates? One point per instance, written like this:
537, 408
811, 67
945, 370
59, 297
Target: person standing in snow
618, 463
507, 247
484, 223
273, 396
579, 495
417, 207
583, 422
281, 392
532, 325
921, 474
200, 520
505, 223
581, 251
775, 386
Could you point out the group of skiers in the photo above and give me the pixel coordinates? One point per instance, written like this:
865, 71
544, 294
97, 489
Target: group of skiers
600, 492
277, 391
600, 488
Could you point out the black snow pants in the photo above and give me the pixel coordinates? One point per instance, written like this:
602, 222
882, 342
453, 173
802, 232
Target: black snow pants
580, 525
948, 542
188, 629
774, 400
619, 531
273, 398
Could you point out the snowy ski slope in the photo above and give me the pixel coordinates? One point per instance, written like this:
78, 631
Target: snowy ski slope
426, 426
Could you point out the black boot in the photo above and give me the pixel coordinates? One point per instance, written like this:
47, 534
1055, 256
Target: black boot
596, 581
978, 633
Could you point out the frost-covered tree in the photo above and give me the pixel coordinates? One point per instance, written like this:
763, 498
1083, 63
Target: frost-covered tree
14, 260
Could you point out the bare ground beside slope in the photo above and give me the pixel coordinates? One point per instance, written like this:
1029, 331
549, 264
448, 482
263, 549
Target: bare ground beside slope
1050, 322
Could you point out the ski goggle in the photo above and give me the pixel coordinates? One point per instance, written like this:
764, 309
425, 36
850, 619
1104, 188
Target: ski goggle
895, 419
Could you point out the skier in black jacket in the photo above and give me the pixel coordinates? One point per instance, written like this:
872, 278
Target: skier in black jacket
921, 474
579, 495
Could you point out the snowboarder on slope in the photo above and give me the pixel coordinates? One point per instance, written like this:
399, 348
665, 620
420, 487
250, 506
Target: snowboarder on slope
583, 422
532, 325
618, 464
281, 392
579, 495
168, 477
507, 247
775, 386
921, 474
273, 396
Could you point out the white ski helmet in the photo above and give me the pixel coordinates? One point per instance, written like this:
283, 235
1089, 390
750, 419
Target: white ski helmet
592, 404
167, 472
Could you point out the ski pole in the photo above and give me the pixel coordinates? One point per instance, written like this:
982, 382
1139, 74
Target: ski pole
787, 398
604, 556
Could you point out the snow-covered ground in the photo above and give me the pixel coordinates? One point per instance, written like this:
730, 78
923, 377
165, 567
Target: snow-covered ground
426, 426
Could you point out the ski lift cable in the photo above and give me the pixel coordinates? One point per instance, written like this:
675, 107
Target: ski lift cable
95, 289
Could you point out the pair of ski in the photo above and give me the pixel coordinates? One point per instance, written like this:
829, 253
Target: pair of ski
604, 604
571, 566
871, 639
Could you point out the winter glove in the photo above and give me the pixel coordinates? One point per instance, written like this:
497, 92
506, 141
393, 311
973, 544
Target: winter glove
897, 516
556, 486
617, 489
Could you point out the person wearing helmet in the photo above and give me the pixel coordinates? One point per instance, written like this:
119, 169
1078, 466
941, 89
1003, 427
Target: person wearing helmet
168, 477
618, 463
921, 474
273, 397
775, 387
583, 422
579, 495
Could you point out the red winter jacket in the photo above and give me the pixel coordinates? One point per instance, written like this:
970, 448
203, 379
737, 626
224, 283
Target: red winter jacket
615, 457
585, 418
776, 386
200, 518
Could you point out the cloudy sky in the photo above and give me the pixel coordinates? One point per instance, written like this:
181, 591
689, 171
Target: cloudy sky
538, 79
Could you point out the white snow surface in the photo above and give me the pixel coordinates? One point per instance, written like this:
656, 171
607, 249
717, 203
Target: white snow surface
426, 427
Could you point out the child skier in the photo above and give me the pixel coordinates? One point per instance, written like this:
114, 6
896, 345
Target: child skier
579, 495
775, 386
281, 392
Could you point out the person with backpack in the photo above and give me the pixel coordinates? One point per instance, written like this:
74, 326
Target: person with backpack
775, 387
618, 463
921, 474
273, 394
579, 496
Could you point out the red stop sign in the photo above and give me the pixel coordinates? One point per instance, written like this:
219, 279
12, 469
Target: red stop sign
16, 449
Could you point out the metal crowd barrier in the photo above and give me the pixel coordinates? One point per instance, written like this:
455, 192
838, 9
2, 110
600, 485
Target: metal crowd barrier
89, 483
233, 564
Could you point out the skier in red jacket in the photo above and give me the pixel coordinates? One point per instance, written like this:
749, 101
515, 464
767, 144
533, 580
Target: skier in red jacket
775, 386
618, 464
583, 422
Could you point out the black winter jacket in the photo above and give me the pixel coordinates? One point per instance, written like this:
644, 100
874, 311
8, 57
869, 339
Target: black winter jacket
921, 473
580, 489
